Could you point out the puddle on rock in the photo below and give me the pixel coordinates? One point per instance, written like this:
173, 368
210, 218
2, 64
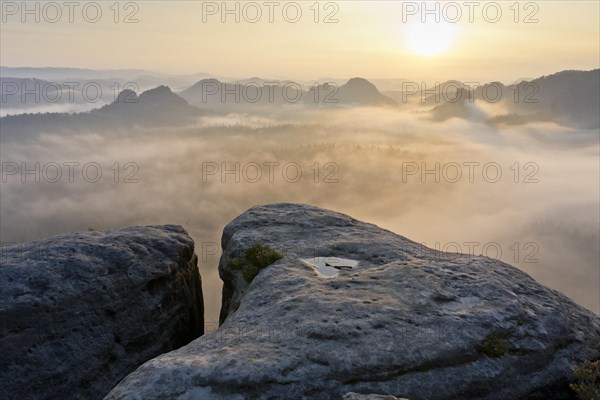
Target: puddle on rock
330, 266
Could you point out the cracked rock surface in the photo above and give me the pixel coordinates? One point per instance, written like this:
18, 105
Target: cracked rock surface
406, 321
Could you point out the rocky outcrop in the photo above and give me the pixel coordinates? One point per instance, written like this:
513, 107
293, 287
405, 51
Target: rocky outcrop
354, 308
79, 312
356, 396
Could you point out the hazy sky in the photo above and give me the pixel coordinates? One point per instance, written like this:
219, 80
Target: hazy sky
374, 39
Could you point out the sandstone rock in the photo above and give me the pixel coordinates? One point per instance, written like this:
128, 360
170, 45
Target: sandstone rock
78, 312
356, 396
406, 321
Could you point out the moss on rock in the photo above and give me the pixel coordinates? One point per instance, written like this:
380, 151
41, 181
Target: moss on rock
256, 258
494, 345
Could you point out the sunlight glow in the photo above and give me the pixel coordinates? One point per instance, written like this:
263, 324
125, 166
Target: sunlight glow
430, 38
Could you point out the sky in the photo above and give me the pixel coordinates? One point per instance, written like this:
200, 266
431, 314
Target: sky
505, 40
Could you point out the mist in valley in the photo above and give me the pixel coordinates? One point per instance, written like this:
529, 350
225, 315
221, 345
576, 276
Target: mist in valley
527, 194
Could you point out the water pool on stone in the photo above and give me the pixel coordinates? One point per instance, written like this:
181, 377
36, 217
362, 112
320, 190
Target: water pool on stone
330, 266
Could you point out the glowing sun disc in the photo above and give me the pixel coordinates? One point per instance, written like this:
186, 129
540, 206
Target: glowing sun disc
429, 38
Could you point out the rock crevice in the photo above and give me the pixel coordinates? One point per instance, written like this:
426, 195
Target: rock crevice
406, 320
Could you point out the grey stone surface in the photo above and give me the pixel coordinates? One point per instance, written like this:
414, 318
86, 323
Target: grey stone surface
406, 321
357, 396
78, 312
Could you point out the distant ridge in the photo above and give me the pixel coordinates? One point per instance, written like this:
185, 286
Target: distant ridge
568, 97
252, 94
158, 107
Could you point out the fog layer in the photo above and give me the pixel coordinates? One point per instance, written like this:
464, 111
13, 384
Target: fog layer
527, 194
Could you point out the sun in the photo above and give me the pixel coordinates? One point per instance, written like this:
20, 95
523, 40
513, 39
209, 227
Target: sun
429, 38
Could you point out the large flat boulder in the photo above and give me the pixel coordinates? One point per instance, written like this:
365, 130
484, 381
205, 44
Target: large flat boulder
78, 312
355, 308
